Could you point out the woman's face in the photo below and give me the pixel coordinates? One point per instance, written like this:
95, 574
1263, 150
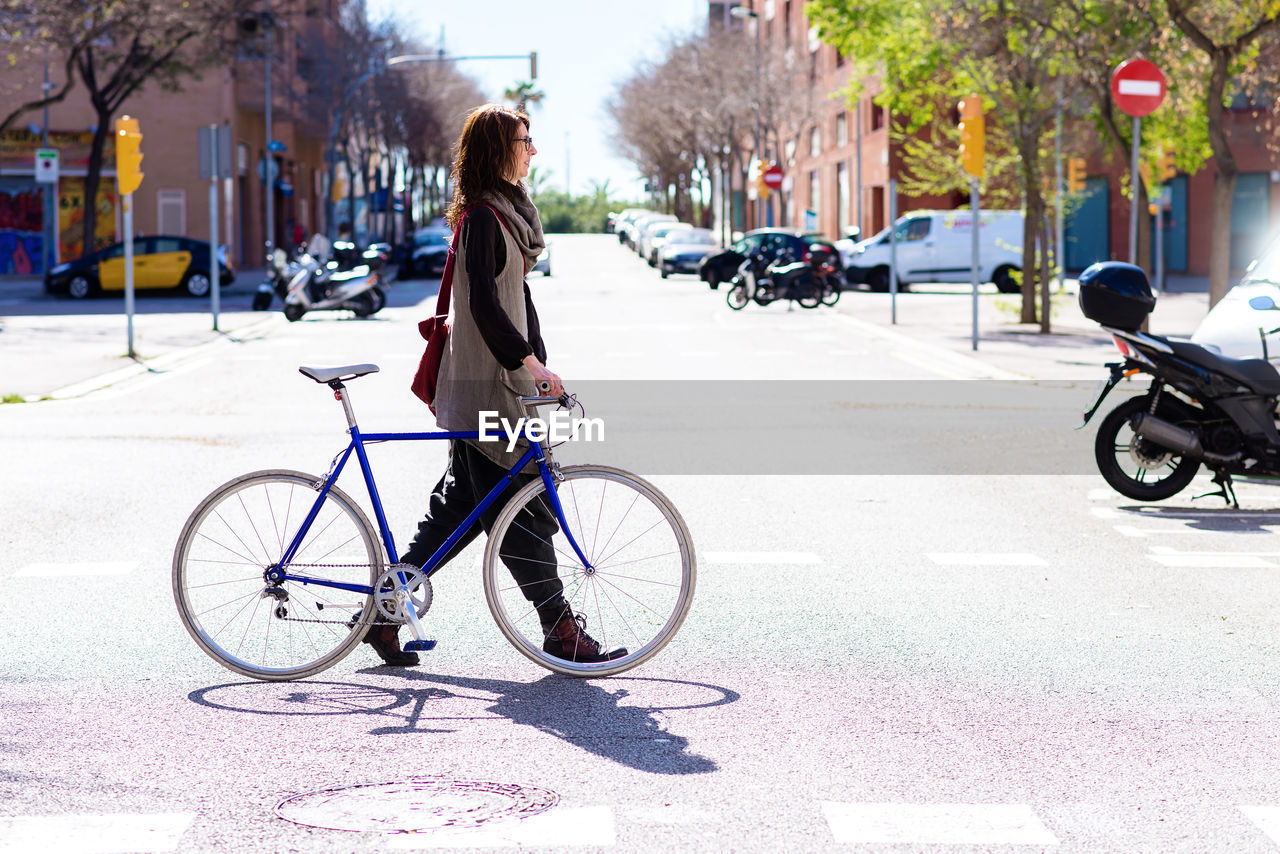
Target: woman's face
524, 150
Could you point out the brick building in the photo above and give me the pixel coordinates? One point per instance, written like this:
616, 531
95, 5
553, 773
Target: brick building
173, 199
837, 174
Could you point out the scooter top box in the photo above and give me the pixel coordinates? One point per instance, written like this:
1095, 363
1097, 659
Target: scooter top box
1116, 294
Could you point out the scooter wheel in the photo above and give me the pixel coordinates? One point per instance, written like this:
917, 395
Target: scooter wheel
293, 312
261, 301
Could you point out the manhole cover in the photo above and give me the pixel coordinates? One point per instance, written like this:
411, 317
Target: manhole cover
414, 806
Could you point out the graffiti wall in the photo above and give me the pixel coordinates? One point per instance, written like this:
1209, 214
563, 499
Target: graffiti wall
21, 229
71, 217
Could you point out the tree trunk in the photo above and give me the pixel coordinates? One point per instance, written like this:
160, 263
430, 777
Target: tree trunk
1224, 192
1029, 229
91, 180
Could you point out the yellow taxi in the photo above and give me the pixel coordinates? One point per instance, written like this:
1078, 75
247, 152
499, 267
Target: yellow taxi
159, 262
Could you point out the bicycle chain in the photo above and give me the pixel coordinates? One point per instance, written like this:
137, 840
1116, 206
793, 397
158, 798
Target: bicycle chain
351, 623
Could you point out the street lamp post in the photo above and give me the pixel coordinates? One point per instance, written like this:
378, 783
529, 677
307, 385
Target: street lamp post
331, 147
743, 13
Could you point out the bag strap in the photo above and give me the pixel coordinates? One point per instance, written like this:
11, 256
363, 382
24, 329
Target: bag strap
446, 281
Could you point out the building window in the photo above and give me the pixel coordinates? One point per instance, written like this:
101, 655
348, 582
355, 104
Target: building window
171, 211
877, 116
843, 216
815, 196
815, 141
842, 130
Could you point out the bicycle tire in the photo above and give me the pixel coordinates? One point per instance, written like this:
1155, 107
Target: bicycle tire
620, 520
240, 530
737, 297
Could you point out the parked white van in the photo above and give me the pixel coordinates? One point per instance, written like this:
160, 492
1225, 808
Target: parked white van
937, 246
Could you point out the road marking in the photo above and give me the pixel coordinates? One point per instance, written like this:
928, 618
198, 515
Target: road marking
63, 570
1267, 819
556, 828
761, 558
1166, 556
94, 834
937, 824
987, 559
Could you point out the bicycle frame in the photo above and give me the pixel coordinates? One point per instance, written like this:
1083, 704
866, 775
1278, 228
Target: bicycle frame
278, 574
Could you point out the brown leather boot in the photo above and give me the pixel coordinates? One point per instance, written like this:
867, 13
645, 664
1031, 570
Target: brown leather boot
385, 641
569, 640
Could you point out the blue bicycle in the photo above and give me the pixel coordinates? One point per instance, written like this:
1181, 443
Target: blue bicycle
278, 574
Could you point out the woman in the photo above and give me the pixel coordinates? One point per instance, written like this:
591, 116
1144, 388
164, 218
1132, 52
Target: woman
494, 355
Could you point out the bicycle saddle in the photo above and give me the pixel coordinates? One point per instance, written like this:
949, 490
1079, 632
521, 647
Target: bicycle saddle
344, 372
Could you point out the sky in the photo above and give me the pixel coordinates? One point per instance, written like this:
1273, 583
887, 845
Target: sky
586, 49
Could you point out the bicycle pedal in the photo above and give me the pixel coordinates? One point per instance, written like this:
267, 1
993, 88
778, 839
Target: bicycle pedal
419, 646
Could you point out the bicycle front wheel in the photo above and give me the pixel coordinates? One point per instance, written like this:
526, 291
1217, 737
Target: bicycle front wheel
636, 585
262, 629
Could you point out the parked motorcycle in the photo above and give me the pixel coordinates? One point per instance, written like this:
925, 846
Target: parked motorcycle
1201, 408
277, 282
325, 287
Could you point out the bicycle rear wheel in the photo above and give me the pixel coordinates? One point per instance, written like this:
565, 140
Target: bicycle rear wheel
257, 628
636, 586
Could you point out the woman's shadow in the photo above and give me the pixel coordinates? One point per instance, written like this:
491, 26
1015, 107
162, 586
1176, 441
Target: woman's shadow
578, 711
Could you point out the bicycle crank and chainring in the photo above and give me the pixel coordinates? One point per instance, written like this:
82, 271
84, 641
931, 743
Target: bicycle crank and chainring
417, 587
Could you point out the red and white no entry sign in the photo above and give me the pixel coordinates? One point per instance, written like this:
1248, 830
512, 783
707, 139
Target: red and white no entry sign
773, 177
1138, 86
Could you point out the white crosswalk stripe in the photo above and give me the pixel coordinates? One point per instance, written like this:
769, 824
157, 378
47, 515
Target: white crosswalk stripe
93, 834
936, 824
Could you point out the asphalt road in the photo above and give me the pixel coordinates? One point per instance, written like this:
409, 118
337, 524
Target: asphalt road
878, 659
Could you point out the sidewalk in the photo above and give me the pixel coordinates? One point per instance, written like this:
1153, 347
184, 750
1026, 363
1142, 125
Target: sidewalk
84, 347
66, 355
941, 321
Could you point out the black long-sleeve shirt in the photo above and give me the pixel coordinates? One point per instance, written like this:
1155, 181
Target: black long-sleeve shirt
486, 255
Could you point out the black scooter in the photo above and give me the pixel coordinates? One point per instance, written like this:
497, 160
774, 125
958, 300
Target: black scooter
1201, 408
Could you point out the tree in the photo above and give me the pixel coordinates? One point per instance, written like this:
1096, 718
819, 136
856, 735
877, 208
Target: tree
134, 43
523, 94
38, 31
1229, 34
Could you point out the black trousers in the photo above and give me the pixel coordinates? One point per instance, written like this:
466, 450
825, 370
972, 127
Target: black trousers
527, 550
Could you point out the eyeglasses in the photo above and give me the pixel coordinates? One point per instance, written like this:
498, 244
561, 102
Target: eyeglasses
527, 140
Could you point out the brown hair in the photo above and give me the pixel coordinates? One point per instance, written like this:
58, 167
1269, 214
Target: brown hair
484, 157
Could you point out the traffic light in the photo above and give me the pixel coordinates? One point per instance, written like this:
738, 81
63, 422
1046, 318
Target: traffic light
1167, 167
762, 189
1075, 175
973, 128
128, 155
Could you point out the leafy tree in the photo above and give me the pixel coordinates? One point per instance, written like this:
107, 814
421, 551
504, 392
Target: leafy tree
134, 43
523, 94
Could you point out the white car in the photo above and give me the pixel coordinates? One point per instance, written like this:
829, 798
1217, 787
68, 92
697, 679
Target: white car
1233, 327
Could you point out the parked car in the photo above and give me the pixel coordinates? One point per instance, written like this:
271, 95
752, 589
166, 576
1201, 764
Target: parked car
800, 245
634, 229
1235, 328
160, 261
543, 264
937, 246
685, 250
430, 251
657, 235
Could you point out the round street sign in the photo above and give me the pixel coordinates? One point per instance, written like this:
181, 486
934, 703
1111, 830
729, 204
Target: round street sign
773, 177
1138, 86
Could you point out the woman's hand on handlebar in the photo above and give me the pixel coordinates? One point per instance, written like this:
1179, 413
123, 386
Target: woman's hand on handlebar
547, 382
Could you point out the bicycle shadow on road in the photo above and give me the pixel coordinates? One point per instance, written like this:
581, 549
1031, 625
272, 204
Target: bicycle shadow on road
586, 715
578, 711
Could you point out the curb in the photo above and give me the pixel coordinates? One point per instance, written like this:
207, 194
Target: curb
156, 364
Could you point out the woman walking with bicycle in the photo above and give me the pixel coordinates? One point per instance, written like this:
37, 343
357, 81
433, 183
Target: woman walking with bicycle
493, 356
